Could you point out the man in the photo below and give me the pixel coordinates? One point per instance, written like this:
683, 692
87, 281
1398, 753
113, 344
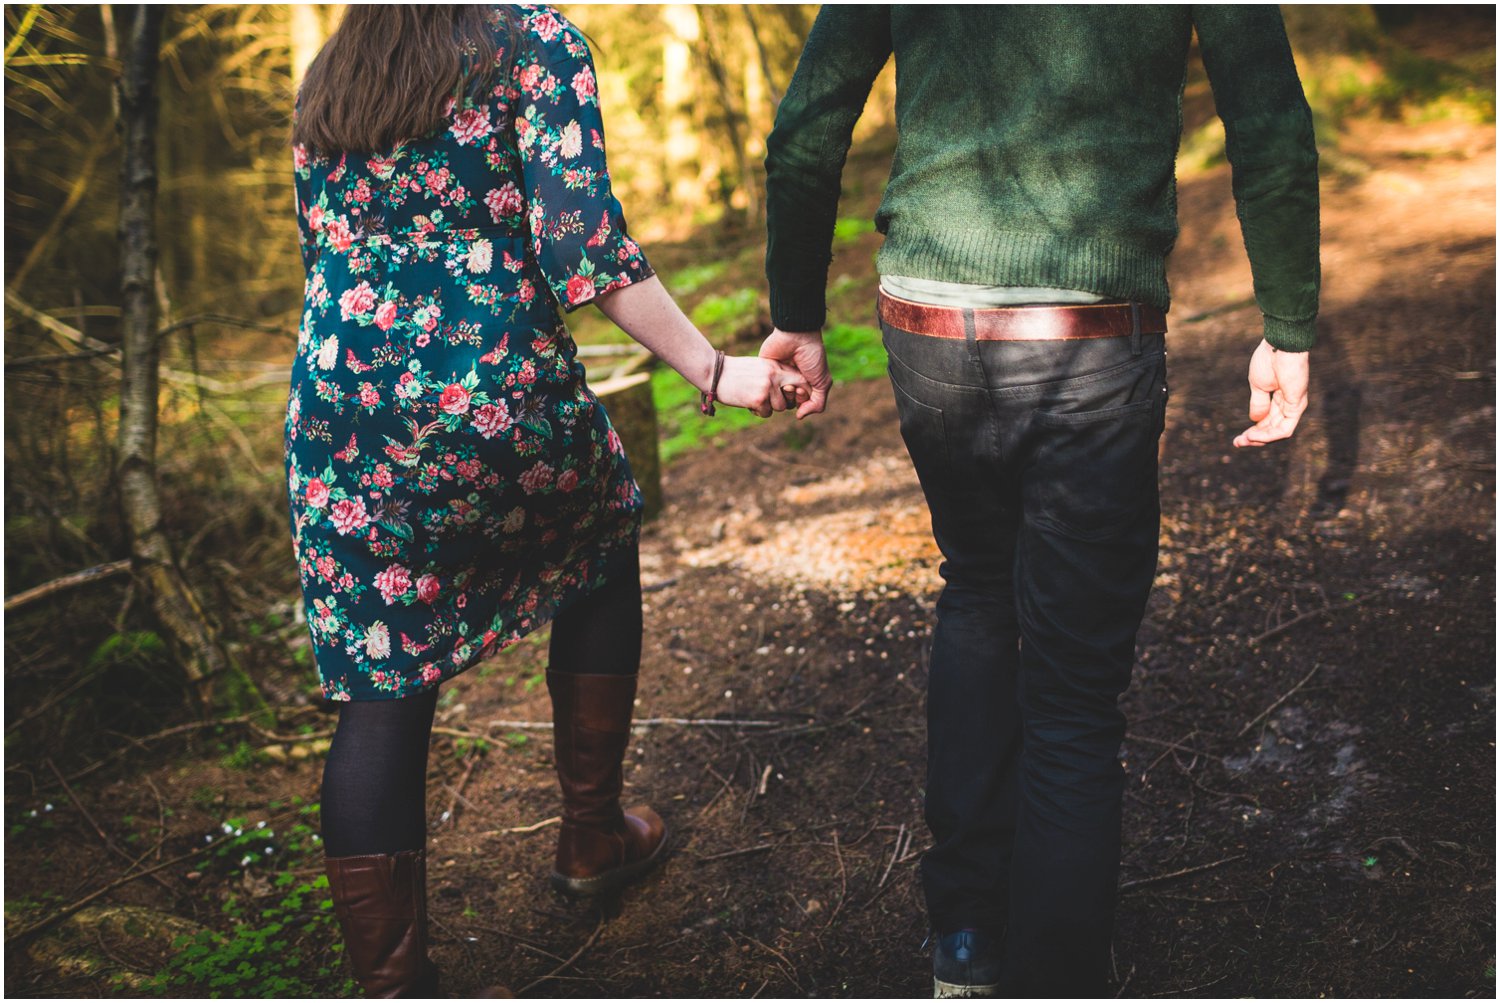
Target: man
1030, 211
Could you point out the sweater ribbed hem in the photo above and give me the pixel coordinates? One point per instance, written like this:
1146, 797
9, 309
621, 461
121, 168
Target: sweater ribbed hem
1291, 335
799, 309
1010, 258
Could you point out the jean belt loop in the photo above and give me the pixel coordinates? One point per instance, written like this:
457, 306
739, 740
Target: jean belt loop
971, 338
1135, 328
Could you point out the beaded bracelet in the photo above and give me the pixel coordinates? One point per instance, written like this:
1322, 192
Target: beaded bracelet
706, 407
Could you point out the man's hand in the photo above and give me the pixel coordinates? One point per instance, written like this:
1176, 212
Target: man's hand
803, 351
1278, 395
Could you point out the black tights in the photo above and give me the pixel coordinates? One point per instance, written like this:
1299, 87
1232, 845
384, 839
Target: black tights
375, 779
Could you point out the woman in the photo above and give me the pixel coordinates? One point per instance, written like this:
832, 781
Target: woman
454, 484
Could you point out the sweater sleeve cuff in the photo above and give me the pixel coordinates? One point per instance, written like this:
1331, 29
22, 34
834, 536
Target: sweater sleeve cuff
1291, 335
798, 309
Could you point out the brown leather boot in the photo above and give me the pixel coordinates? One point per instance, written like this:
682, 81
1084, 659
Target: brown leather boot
600, 847
381, 903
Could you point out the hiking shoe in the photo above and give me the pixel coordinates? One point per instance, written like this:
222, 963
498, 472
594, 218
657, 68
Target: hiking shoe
966, 965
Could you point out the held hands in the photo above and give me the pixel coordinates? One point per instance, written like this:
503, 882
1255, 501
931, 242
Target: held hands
1278, 395
804, 351
761, 386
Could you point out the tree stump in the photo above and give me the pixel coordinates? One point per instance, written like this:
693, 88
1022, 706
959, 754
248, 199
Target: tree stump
632, 410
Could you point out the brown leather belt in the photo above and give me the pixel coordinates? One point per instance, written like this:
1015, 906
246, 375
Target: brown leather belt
1022, 323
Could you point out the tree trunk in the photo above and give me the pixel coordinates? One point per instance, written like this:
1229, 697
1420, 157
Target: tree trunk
683, 169
713, 59
178, 609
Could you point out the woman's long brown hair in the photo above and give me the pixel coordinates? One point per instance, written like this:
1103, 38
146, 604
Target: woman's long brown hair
387, 72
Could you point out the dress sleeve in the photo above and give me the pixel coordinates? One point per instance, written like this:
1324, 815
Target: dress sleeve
576, 226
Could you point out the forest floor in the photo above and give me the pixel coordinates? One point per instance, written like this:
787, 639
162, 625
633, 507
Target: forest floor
1311, 759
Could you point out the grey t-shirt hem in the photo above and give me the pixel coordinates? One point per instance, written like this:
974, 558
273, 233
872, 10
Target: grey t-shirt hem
968, 295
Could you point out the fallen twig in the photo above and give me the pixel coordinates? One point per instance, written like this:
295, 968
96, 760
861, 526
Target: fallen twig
451, 815
791, 974
1287, 625
77, 578
566, 964
520, 829
843, 881
1279, 701
1192, 989
645, 722
104, 837
69, 910
1139, 882
1395, 841
895, 852
745, 851
1177, 746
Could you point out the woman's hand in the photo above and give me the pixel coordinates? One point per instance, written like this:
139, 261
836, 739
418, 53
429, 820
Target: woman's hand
761, 386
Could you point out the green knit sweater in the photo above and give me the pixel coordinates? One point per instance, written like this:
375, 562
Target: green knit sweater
1037, 146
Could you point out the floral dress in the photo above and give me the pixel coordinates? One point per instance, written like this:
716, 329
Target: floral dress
453, 480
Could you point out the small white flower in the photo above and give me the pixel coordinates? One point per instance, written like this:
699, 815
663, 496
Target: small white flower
260, 825
328, 352
47, 806
246, 860
481, 255
570, 142
228, 827
377, 640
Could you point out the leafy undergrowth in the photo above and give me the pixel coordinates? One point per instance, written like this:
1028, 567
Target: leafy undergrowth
281, 939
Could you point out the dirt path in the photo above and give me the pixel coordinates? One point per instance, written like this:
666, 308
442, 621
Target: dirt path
1310, 808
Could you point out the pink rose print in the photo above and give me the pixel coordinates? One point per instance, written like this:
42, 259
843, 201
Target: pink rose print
546, 26
339, 234
356, 301
428, 588
492, 419
393, 582
580, 289
454, 399
470, 125
317, 493
349, 516
537, 478
583, 85
567, 480
504, 201
385, 315
315, 218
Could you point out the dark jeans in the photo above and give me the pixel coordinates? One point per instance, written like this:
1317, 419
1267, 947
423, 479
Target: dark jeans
1038, 460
